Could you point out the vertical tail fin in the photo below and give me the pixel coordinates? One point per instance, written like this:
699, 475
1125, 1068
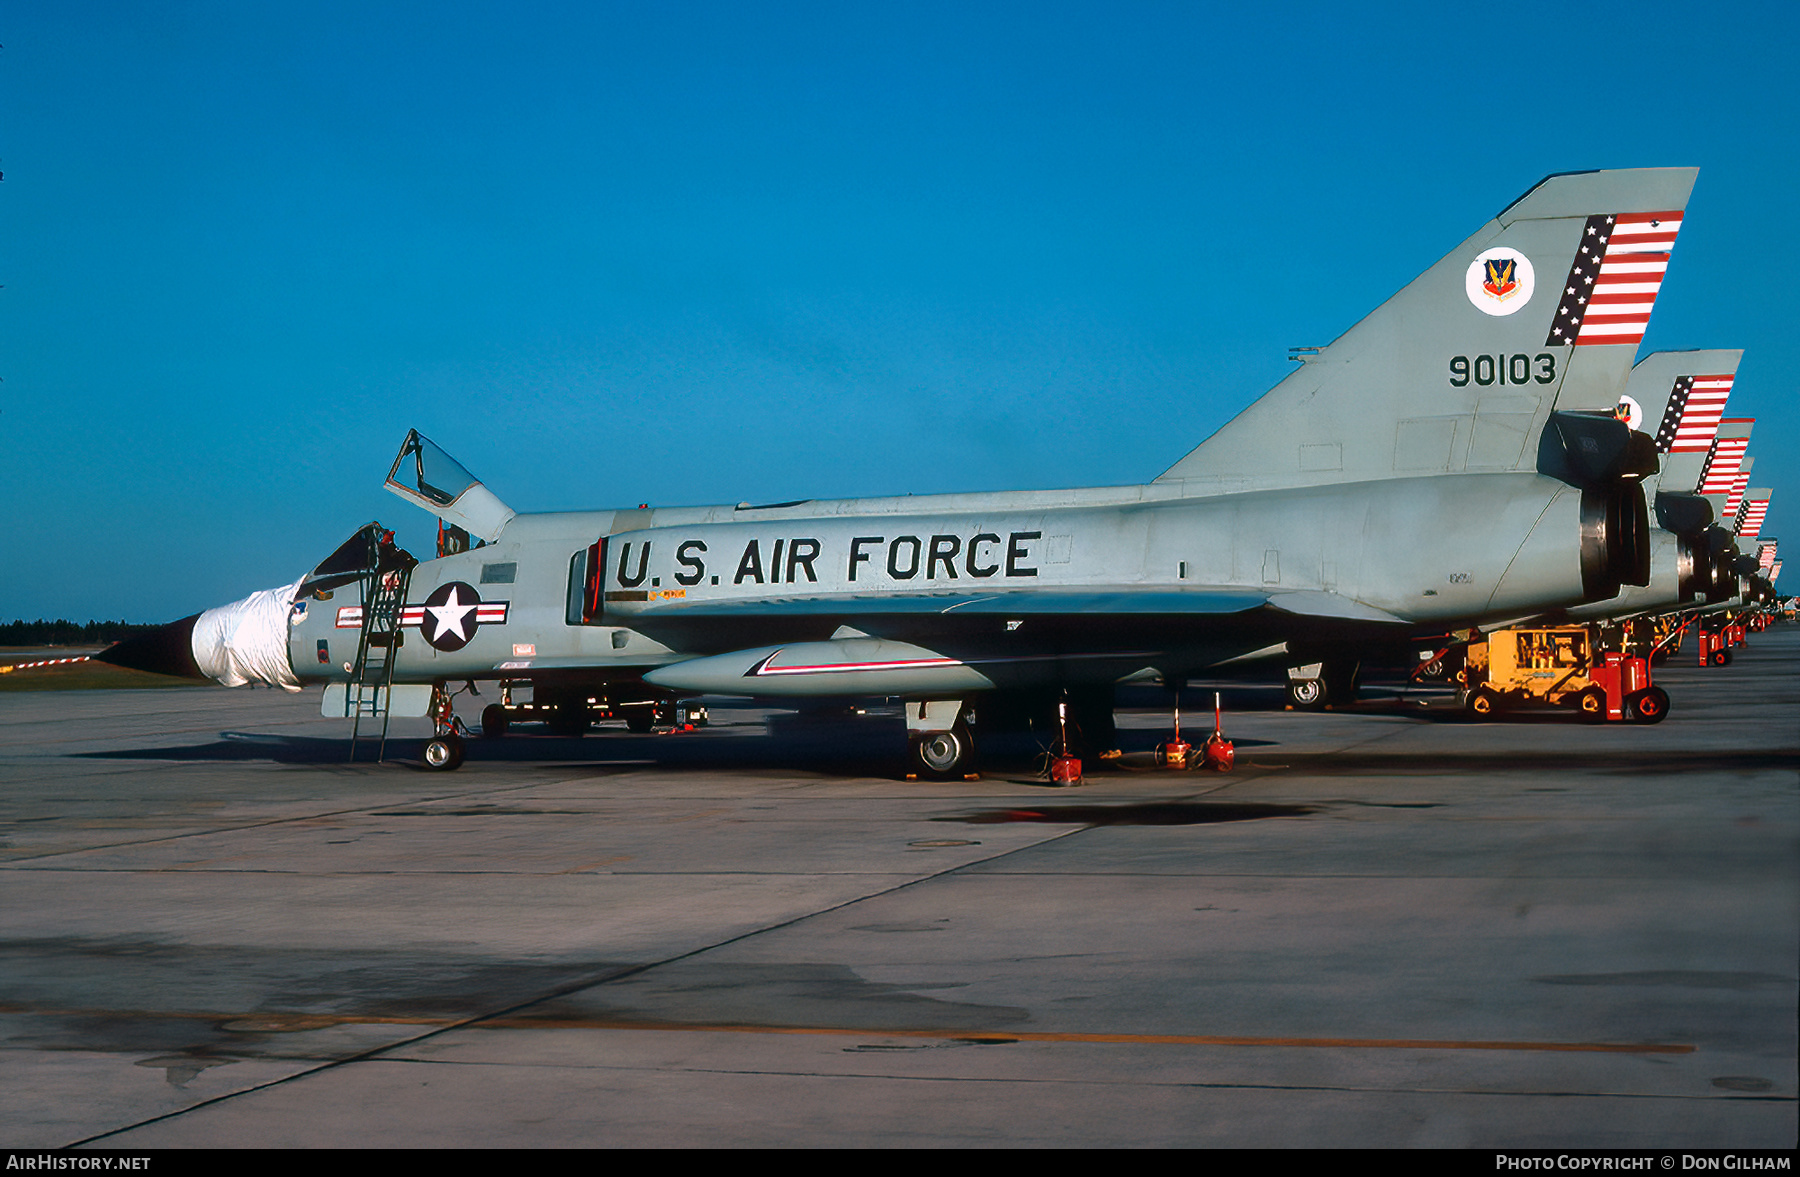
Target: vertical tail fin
1460, 370
1725, 456
1750, 516
1679, 397
1734, 496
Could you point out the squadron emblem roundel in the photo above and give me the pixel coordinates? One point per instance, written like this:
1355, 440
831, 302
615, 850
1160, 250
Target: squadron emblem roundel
1630, 412
1499, 281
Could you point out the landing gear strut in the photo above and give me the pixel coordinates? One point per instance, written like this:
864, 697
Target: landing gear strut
444, 750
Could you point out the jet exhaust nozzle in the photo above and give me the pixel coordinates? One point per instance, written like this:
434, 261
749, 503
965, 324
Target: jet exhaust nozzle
1615, 539
1722, 550
1693, 568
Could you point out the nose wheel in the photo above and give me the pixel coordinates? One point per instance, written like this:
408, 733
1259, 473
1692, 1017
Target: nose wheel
444, 750
442, 753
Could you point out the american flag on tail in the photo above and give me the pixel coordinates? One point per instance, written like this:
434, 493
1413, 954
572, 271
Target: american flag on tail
1734, 498
1612, 286
1722, 463
1751, 515
1696, 405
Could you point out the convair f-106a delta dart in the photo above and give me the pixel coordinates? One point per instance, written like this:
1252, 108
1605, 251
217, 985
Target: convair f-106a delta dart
1453, 459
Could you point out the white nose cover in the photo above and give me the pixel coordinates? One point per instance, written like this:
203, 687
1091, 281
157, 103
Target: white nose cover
247, 641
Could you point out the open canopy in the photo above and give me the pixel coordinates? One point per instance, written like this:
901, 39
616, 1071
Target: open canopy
423, 474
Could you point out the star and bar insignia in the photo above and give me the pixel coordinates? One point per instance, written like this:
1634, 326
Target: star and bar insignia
449, 618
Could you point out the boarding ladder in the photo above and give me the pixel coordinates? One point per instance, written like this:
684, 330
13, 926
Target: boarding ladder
371, 681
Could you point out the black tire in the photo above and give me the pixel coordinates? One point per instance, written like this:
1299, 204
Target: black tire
1306, 694
1484, 704
1650, 705
639, 720
942, 756
494, 721
442, 753
1721, 658
1592, 705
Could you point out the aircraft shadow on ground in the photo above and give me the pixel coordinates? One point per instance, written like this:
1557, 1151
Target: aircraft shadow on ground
832, 748
849, 749
1166, 813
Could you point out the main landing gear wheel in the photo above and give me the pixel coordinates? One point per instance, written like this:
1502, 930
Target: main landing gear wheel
494, 721
943, 755
1650, 705
442, 753
1306, 693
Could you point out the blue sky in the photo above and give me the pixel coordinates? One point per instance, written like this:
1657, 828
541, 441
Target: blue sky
688, 253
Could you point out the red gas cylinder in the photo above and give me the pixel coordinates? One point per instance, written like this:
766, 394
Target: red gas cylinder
1173, 754
1636, 674
1065, 770
1218, 754
1607, 676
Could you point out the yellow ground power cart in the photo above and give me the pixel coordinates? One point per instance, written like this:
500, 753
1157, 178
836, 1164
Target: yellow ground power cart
1562, 665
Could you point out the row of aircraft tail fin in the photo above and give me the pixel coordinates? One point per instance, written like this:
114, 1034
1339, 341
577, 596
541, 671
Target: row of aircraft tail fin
1565, 277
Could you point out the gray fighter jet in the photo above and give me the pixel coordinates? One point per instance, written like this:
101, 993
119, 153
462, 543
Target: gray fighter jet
1452, 459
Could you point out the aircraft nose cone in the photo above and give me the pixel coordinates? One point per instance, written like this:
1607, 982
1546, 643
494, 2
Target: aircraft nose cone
166, 650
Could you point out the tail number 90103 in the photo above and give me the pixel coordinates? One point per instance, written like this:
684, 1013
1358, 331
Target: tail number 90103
1503, 369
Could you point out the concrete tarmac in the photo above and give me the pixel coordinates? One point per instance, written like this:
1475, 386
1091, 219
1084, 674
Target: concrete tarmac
1386, 928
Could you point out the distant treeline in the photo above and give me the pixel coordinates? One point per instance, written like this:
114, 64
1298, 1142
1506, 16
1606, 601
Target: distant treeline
67, 633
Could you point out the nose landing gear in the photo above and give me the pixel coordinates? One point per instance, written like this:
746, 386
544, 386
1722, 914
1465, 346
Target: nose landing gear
443, 753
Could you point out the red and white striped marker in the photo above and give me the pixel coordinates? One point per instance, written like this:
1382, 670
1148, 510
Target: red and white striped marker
8, 669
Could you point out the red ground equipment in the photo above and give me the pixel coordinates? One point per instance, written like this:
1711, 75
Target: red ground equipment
1174, 753
1561, 665
1218, 754
1064, 768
